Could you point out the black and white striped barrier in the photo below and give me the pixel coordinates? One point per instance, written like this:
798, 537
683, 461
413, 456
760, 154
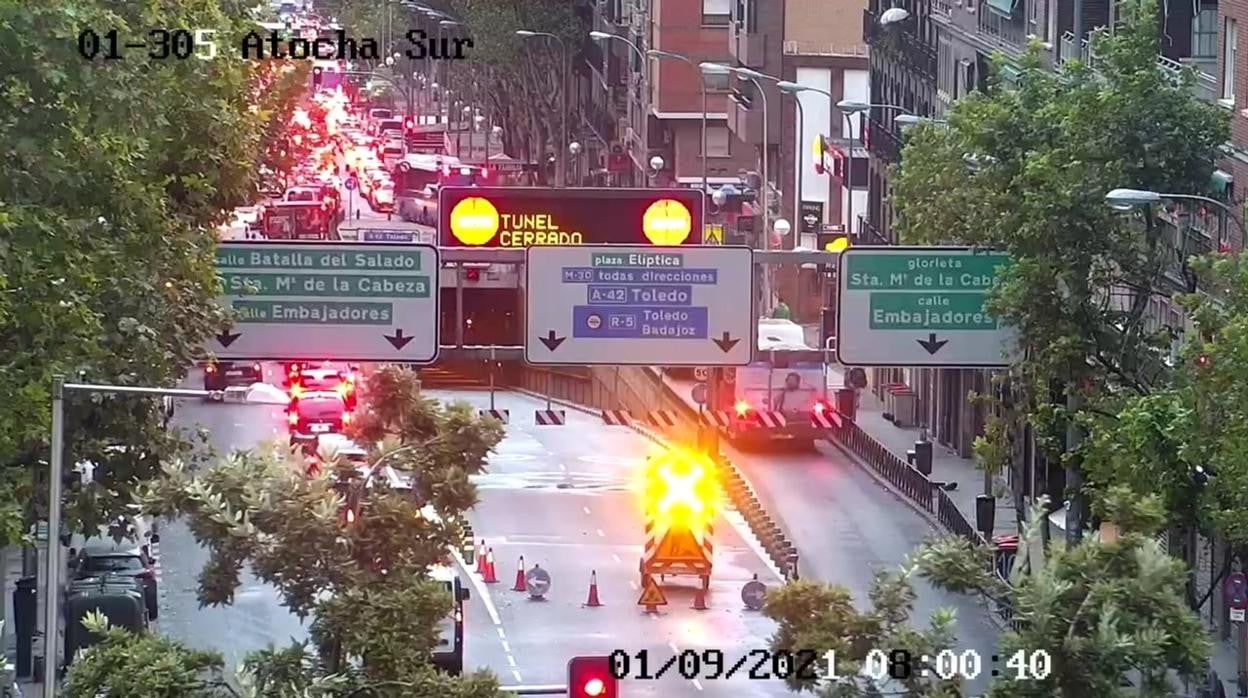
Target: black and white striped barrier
550, 417
503, 416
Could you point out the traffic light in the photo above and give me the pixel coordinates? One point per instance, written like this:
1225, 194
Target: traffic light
680, 488
591, 677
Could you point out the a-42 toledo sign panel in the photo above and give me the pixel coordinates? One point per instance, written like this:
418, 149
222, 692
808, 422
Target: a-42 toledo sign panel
537, 217
672, 306
920, 306
343, 301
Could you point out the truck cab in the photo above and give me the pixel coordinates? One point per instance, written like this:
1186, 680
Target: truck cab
303, 213
775, 384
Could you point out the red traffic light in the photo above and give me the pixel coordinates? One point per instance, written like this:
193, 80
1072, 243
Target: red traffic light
1202, 360
591, 677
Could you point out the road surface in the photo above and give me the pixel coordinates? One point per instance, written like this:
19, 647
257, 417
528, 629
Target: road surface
562, 496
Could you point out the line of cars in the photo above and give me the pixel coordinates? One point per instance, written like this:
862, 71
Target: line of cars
115, 573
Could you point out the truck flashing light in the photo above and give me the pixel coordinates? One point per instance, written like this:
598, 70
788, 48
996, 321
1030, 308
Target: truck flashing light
742, 407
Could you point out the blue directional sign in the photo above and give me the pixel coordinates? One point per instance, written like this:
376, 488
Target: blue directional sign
668, 306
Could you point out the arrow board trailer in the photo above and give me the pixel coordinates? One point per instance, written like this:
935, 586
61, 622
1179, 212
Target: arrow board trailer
348, 301
921, 306
639, 306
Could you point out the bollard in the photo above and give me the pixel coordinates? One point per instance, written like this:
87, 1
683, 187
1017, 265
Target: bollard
923, 456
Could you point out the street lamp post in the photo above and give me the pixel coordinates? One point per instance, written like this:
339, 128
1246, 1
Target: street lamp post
561, 168
796, 90
56, 468
849, 107
701, 70
645, 91
1127, 199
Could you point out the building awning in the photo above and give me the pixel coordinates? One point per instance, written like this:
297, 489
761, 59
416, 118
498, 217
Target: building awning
1220, 182
1003, 7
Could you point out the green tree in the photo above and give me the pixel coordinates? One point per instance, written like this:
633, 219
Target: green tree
340, 544
1024, 168
823, 617
1186, 443
122, 664
1104, 611
117, 173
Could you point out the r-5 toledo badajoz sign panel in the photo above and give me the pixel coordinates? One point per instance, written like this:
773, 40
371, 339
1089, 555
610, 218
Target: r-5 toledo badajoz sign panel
921, 306
333, 300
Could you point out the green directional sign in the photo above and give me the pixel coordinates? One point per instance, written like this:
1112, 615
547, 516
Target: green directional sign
313, 300
920, 306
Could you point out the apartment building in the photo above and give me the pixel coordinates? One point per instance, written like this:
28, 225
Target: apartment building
942, 48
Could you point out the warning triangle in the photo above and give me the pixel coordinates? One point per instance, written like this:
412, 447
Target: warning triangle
679, 545
651, 594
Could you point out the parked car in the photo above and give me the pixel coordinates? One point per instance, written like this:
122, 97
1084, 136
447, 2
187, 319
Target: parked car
125, 558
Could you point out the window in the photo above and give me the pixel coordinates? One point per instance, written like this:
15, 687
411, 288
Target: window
716, 12
716, 82
1230, 57
718, 142
1205, 33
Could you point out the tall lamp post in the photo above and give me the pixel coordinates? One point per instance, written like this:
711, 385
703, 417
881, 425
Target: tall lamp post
702, 72
849, 107
645, 91
561, 168
1127, 199
795, 89
56, 469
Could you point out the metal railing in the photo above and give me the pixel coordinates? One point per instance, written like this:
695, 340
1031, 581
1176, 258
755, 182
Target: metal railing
1206, 86
821, 48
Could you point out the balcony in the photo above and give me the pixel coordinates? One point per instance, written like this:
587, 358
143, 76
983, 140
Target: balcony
745, 117
1009, 33
1205, 87
899, 45
882, 142
749, 49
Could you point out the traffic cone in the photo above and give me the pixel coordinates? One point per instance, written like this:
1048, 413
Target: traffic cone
487, 572
481, 557
520, 586
593, 601
699, 599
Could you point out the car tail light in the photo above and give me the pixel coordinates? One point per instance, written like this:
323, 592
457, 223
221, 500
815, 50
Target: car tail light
146, 574
255, 367
344, 389
293, 418
210, 368
822, 407
296, 391
346, 418
742, 407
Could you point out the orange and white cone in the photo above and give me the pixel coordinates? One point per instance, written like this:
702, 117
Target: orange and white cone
487, 573
593, 601
520, 585
481, 557
699, 600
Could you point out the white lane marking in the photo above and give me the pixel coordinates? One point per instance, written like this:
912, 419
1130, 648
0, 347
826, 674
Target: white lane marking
482, 592
601, 534
517, 675
511, 661
501, 635
632, 584
697, 684
506, 646
585, 509
615, 557
563, 467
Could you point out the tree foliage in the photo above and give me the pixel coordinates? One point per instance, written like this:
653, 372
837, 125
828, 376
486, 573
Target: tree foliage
1105, 611
341, 545
117, 172
122, 664
1024, 168
1188, 443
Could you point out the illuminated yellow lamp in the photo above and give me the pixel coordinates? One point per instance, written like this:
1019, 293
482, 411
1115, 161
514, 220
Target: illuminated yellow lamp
667, 222
742, 407
296, 391
683, 491
838, 245
474, 221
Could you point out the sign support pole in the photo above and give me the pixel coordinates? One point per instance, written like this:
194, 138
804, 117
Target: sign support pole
493, 364
459, 304
550, 387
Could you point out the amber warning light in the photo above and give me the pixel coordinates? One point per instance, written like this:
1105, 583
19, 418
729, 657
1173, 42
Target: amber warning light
529, 217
